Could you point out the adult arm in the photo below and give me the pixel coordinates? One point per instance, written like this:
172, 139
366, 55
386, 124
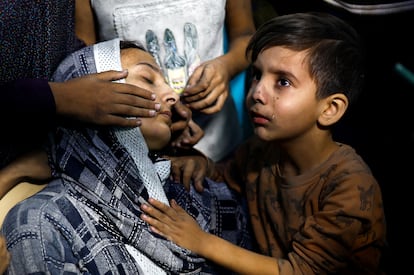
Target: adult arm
30, 109
27, 113
85, 22
92, 99
24, 102
240, 27
32, 167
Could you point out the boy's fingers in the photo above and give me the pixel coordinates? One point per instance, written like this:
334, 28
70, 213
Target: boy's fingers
154, 223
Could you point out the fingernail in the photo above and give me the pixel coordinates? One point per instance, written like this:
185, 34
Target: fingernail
157, 106
152, 113
153, 96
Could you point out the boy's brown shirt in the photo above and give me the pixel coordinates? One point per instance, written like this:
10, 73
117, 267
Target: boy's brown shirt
330, 219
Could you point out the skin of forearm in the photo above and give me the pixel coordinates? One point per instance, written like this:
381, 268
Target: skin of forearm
8, 179
32, 166
235, 258
235, 58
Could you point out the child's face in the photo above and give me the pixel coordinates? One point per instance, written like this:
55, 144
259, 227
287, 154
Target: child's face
282, 99
144, 72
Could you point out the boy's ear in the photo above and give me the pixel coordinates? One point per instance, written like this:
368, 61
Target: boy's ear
333, 108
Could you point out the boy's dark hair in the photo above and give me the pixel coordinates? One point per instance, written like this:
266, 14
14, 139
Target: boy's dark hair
335, 52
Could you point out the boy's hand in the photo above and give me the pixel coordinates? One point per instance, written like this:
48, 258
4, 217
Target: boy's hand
173, 223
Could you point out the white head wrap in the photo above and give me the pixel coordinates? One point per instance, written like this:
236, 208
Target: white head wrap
108, 57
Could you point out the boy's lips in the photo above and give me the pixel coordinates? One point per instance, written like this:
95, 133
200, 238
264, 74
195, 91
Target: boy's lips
258, 118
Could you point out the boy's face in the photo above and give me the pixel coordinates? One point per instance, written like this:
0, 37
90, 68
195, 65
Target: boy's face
144, 72
282, 99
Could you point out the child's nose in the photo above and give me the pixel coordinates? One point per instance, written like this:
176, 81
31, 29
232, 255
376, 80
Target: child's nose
257, 93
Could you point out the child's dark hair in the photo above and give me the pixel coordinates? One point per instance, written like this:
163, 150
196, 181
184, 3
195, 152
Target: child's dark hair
335, 52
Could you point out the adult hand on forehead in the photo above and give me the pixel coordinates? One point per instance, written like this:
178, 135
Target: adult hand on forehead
96, 99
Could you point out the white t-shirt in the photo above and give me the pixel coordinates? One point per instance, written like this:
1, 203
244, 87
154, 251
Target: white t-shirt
130, 20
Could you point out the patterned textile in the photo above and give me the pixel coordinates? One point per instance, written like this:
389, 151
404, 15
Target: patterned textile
87, 216
28, 54
106, 181
146, 181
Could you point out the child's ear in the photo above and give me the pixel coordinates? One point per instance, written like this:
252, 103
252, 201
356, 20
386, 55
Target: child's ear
333, 109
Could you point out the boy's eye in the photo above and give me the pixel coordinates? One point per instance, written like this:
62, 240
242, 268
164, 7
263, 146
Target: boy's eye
283, 82
256, 74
